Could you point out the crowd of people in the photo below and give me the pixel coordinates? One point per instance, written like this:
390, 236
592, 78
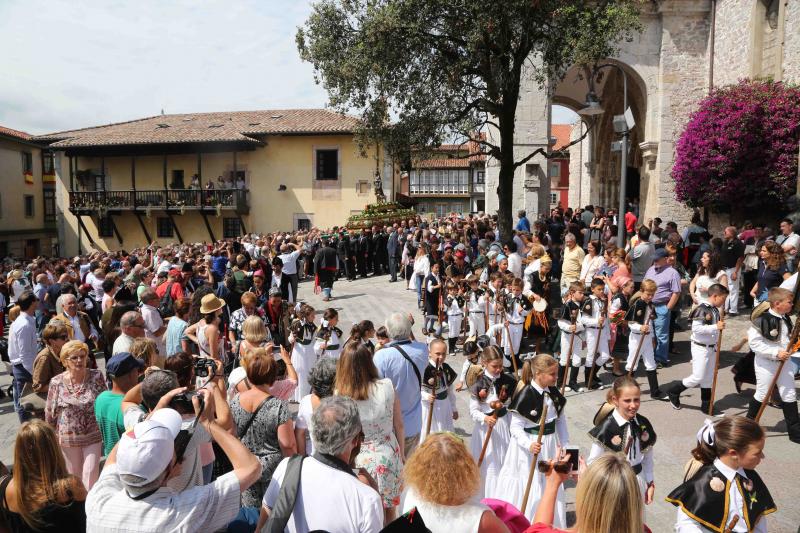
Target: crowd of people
191, 387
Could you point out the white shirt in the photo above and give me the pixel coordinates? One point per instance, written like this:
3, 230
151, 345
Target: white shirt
515, 264
152, 323
792, 240
290, 262
684, 524
77, 332
304, 412
348, 506
205, 508
22, 343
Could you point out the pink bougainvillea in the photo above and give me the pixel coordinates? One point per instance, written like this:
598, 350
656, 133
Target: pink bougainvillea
740, 148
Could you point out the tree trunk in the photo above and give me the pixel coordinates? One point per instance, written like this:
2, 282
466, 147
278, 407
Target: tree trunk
505, 183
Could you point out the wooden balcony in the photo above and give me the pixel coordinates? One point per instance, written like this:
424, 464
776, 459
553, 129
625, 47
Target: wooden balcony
94, 202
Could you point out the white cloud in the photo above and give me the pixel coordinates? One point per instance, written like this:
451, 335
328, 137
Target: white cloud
70, 64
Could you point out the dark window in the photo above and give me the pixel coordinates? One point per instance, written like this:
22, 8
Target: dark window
177, 180
164, 227
231, 228
48, 163
3, 249
29, 209
27, 162
480, 176
105, 227
49, 205
303, 224
327, 165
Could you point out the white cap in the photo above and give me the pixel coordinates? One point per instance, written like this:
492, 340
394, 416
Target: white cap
146, 450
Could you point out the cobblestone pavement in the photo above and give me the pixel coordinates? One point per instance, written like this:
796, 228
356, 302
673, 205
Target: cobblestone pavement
375, 299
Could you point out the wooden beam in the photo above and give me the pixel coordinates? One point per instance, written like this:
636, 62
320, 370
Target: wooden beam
234, 168
144, 228
208, 227
175, 227
86, 231
114, 227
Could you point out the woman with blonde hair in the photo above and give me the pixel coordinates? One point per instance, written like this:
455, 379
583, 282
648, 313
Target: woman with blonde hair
382, 421
607, 499
41, 496
70, 410
442, 480
146, 350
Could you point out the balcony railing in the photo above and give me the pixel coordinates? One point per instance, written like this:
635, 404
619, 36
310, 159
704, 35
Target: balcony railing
89, 202
478, 188
439, 188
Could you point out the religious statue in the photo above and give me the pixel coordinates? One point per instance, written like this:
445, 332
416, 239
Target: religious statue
378, 183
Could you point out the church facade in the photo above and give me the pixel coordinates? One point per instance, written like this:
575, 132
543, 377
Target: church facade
686, 48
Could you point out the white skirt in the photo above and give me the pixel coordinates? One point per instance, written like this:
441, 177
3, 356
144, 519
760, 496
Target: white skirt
303, 360
514, 476
441, 420
495, 452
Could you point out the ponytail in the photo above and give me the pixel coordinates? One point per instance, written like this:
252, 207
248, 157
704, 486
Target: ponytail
539, 364
717, 438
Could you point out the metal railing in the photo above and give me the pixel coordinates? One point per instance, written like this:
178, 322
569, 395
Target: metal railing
158, 199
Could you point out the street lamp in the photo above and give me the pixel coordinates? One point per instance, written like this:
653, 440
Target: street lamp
622, 124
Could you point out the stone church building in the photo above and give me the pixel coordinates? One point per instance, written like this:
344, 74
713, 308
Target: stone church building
686, 48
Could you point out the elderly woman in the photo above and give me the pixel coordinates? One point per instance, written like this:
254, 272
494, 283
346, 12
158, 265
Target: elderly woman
442, 480
70, 409
48, 362
321, 379
263, 422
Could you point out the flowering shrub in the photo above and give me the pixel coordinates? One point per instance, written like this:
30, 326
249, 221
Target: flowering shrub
740, 148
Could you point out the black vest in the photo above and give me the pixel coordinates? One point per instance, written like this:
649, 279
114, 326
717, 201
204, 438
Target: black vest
483, 382
430, 380
638, 310
707, 313
611, 435
769, 325
569, 309
529, 402
701, 499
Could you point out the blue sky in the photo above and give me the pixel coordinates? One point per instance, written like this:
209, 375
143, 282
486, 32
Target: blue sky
71, 64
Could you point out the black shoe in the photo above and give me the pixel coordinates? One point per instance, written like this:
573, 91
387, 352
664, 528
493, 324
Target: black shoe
752, 409
655, 392
738, 385
674, 395
573, 380
705, 401
792, 421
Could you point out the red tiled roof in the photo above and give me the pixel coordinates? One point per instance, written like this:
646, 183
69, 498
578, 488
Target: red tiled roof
206, 127
456, 162
8, 132
561, 132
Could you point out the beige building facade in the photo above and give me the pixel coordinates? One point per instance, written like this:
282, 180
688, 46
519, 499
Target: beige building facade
27, 197
686, 48
209, 176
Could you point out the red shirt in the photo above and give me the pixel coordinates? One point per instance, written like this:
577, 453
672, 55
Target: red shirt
177, 289
630, 222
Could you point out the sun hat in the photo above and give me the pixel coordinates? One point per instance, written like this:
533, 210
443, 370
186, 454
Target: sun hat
146, 450
210, 303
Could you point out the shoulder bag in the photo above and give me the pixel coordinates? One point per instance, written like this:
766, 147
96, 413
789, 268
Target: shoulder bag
284, 505
407, 358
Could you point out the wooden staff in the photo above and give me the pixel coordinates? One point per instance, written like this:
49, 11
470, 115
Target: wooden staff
729, 527
489, 431
792, 342
573, 317
716, 367
432, 401
641, 342
534, 463
440, 306
596, 347
486, 312
513, 358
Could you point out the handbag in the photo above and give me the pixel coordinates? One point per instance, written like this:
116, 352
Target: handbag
31, 402
222, 464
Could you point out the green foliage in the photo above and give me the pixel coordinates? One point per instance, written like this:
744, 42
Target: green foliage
419, 72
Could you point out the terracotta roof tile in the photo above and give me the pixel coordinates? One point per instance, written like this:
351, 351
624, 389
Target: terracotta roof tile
206, 127
561, 132
456, 162
8, 132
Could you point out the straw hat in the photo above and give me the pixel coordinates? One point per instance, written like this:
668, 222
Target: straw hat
210, 303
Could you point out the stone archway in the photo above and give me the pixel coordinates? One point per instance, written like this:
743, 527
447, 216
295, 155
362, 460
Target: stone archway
594, 167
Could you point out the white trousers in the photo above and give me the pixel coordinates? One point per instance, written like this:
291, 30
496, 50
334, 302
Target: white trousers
577, 349
765, 371
645, 354
477, 324
602, 355
732, 302
703, 362
515, 330
454, 326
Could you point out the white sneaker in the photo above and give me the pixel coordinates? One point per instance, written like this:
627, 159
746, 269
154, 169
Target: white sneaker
581, 389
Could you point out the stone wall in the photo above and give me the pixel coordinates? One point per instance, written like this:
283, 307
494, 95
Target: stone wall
732, 41
791, 43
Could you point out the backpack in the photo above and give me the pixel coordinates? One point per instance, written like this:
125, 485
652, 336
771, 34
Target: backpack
166, 307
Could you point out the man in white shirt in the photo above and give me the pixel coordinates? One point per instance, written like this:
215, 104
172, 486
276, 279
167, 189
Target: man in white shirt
154, 326
790, 242
347, 503
132, 326
290, 252
23, 347
132, 493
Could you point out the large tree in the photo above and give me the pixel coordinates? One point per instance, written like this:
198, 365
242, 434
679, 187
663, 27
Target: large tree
419, 72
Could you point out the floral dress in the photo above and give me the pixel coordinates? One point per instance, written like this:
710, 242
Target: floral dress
70, 409
380, 453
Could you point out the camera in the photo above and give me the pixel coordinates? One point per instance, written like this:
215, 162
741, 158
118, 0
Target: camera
183, 402
202, 366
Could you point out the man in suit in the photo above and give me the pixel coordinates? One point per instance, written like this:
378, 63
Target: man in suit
393, 249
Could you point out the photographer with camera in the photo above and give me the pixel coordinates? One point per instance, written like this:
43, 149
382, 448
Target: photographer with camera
133, 492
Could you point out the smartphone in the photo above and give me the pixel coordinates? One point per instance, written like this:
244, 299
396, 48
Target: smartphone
574, 453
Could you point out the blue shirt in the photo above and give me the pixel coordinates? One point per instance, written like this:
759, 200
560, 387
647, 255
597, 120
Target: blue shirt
524, 225
391, 364
174, 335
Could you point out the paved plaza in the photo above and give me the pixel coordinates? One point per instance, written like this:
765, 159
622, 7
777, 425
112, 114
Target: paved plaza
375, 299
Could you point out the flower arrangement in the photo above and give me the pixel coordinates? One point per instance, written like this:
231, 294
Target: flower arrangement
740, 147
